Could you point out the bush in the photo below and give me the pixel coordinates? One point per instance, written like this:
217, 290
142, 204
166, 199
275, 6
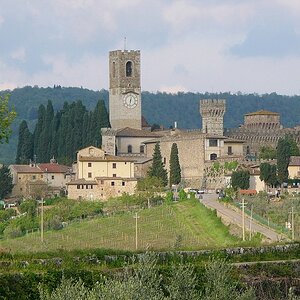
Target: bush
12, 231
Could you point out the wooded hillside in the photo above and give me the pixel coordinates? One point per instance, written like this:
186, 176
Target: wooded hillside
160, 108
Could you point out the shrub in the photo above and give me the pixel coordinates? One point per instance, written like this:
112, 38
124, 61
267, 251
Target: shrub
12, 231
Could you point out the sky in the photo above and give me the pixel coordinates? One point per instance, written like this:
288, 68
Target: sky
248, 46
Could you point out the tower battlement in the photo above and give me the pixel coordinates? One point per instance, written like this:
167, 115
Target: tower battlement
212, 112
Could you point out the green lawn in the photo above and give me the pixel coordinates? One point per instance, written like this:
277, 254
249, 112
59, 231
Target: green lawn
184, 225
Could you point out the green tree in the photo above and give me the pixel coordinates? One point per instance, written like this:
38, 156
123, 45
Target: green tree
267, 152
240, 179
157, 169
283, 159
293, 146
25, 144
175, 170
7, 116
149, 184
268, 174
37, 141
29, 206
6, 184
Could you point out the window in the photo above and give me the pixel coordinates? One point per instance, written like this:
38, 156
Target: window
89, 175
92, 186
21, 189
114, 69
42, 176
101, 181
114, 165
33, 177
87, 186
129, 69
112, 183
129, 149
213, 142
165, 160
142, 149
230, 150
248, 150
114, 175
123, 183
52, 177
213, 156
89, 165
78, 186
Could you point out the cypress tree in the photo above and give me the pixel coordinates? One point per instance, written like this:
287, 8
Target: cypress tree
6, 184
157, 169
22, 128
283, 159
37, 133
175, 170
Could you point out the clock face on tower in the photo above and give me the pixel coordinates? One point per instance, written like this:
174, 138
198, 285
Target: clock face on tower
130, 100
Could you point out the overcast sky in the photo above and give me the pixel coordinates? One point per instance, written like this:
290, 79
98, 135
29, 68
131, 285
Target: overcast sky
188, 45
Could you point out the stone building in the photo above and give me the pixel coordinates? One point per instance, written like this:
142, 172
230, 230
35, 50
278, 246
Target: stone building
261, 128
129, 139
212, 112
39, 180
100, 176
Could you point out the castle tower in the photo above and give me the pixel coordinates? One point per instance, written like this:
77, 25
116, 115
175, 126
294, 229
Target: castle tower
212, 112
125, 89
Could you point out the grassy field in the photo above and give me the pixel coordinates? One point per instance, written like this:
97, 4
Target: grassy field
182, 225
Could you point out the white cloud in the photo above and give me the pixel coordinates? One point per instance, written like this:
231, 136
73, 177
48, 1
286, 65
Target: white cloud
19, 54
182, 15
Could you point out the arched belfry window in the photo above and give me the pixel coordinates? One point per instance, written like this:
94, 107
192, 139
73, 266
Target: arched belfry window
114, 69
129, 149
129, 69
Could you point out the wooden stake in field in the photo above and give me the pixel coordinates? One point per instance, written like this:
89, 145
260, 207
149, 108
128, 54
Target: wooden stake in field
42, 221
136, 230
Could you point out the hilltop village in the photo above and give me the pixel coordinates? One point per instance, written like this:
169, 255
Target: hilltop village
207, 156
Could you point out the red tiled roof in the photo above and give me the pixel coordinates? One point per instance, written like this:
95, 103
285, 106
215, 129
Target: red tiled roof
248, 192
54, 168
26, 169
294, 161
131, 132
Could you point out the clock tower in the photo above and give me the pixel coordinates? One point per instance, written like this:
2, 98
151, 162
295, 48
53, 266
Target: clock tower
125, 89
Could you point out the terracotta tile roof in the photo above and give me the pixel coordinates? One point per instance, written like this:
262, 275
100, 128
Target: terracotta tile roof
107, 158
131, 132
26, 169
294, 161
229, 140
54, 168
247, 192
263, 112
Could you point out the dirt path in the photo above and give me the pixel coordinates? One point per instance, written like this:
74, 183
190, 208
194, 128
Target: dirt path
232, 216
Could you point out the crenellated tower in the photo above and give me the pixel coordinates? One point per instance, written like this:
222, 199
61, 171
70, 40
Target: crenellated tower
212, 112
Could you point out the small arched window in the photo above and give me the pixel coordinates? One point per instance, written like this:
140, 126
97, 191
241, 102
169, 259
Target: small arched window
129, 149
129, 69
213, 156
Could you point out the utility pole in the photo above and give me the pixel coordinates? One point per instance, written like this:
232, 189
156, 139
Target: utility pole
42, 221
243, 204
250, 226
293, 224
136, 229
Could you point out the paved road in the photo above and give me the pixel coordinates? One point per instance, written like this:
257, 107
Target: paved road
232, 216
